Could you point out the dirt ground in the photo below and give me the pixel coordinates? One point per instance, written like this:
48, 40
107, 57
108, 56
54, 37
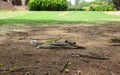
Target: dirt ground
113, 13
19, 57
6, 6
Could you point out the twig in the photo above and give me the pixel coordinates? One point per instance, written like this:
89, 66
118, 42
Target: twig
116, 40
28, 54
112, 73
74, 44
115, 44
17, 69
63, 68
13, 69
92, 70
100, 58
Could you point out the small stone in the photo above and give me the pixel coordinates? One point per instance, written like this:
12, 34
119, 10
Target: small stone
1, 64
27, 73
77, 56
69, 63
67, 70
116, 40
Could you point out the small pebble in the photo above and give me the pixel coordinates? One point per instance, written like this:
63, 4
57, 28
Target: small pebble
67, 70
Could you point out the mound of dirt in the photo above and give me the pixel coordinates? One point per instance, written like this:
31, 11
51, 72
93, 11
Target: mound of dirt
6, 6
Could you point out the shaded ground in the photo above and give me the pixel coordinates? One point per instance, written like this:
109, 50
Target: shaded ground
17, 52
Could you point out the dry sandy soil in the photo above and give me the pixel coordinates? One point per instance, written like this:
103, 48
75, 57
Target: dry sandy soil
19, 57
113, 12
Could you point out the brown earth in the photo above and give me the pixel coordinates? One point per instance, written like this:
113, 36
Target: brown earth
6, 6
17, 53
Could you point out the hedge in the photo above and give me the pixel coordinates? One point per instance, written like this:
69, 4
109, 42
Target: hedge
49, 5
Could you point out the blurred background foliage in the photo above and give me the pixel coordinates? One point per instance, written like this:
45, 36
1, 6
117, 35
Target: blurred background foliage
95, 5
79, 5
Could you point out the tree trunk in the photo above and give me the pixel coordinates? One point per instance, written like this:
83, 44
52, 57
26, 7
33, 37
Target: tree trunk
23, 2
9, 1
117, 4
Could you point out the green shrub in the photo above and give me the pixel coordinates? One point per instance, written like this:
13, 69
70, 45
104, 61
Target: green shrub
86, 8
75, 8
102, 7
49, 5
78, 8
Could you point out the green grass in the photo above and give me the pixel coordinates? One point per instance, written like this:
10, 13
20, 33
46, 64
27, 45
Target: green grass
49, 17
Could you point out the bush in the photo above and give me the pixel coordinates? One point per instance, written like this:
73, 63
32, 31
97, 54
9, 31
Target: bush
49, 5
78, 8
102, 7
75, 8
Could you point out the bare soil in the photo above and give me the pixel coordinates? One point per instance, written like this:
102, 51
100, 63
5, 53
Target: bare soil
6, 6
17, 53
114, 13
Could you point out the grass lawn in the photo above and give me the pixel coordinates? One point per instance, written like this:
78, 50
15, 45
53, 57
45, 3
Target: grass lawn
61, 17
